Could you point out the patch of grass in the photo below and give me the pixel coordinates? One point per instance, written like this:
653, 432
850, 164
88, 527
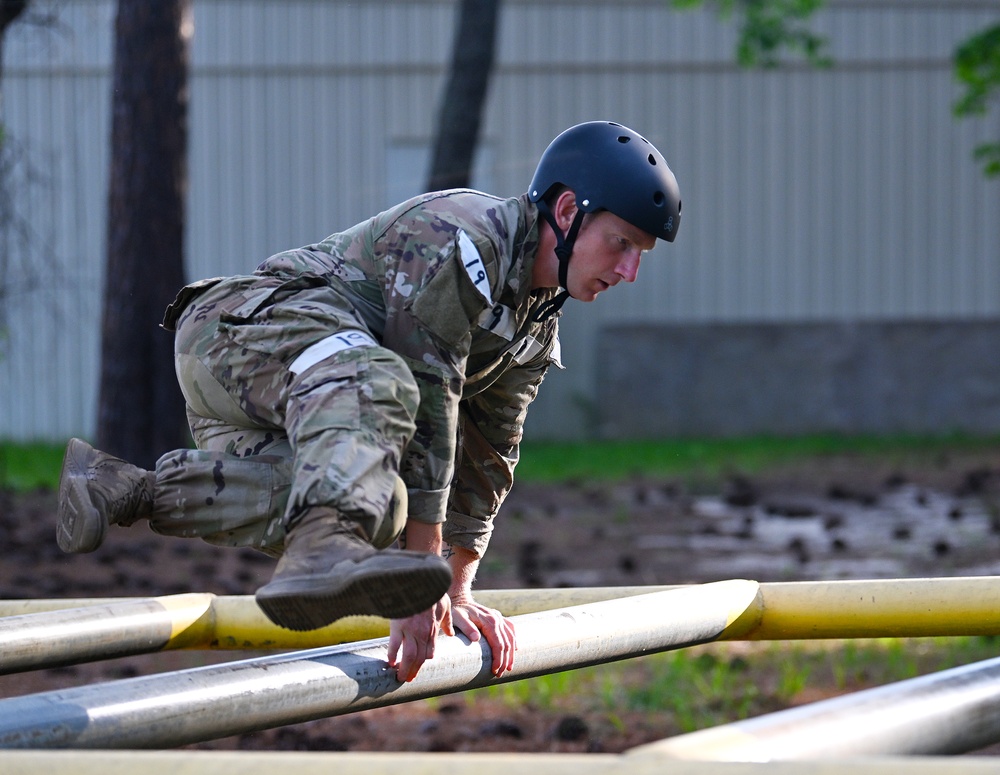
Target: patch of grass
29, 466
545, 692
724, 682
699, 689
709, 459
32, 466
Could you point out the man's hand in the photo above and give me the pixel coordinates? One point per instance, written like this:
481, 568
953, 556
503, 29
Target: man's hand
472, 620
412, 639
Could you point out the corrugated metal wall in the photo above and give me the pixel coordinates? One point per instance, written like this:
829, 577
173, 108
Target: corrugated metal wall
809, 194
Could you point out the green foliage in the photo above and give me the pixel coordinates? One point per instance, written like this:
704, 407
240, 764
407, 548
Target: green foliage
770, 27
707, 460
705, 686
977, 67
699, 689
30, 466
989, 155
699, 461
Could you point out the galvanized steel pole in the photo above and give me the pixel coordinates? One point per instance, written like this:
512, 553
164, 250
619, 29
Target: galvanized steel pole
950, 712
32, 641
211, 702
189, 762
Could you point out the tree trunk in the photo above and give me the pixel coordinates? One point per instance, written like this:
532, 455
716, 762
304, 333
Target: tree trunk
9, 11
140, 412
465, 95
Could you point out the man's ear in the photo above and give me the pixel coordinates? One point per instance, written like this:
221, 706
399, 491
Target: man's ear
565, 209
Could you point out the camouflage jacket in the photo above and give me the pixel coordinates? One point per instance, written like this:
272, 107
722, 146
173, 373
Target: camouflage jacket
444, 281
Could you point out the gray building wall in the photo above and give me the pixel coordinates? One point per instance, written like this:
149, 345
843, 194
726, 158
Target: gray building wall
845, 195
745, 379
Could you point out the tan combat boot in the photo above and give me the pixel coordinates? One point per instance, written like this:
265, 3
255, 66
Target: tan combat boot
328, 571
97, 490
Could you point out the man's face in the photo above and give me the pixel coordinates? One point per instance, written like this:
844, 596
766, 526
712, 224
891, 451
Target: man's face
607, 251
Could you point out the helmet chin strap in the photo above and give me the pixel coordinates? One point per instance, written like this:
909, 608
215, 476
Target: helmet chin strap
563, 251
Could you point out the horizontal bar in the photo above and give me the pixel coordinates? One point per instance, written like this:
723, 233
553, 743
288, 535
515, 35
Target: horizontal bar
787, 611
882, 608
191, 706
346, 763
950, 712
70, 636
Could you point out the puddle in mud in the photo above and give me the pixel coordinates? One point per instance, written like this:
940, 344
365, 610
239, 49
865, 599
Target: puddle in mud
656, 536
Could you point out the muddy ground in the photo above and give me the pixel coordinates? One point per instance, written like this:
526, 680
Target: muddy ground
836, 518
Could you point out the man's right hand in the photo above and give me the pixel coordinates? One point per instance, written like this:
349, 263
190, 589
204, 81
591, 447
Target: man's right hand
412, 640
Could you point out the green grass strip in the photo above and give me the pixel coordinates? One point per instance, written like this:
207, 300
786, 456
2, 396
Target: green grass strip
709, 458
25, 467
36, 465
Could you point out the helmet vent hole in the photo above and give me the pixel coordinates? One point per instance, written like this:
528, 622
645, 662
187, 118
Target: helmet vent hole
678, 205
659, 199
623, 139
652, 159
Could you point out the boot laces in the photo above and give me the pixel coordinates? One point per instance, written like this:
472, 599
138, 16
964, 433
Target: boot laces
126, 492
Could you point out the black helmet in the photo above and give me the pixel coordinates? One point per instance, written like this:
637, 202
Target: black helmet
611, 167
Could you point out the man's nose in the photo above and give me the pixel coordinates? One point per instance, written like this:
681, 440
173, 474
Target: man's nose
628, 267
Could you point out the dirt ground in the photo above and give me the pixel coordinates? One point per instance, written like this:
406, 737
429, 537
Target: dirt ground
830, 519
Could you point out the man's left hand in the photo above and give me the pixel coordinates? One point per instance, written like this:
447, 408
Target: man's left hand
474, 621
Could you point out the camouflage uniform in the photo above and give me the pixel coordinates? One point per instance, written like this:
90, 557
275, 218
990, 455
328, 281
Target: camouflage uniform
406, 346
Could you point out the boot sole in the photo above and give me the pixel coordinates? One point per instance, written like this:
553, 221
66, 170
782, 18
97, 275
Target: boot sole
391, 587
80, 527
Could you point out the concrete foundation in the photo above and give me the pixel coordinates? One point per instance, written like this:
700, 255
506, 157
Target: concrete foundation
921, 377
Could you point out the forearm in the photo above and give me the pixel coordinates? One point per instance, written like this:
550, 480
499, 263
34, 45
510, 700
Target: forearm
474, 620
464, 564
423, 537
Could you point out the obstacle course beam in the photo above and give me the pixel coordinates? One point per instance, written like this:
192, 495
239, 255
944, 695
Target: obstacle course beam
206, 703
70, 636
788, 611
881, 608
349, 763
949, 712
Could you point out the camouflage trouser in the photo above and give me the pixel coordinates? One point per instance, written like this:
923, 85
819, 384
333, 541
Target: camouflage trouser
292, 404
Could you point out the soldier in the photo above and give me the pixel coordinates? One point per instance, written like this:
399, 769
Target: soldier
370, 390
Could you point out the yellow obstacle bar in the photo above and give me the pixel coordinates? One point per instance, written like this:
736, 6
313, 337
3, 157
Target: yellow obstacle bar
784, 611
807, 610
968, 605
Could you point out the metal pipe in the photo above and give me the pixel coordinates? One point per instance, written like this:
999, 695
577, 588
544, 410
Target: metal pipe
348, 763
228, 623
512, 602
37, 634
878, 608
950, 712
32, 641
793, 610
217, 701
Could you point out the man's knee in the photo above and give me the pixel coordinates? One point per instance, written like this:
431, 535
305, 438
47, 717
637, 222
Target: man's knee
392, 524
